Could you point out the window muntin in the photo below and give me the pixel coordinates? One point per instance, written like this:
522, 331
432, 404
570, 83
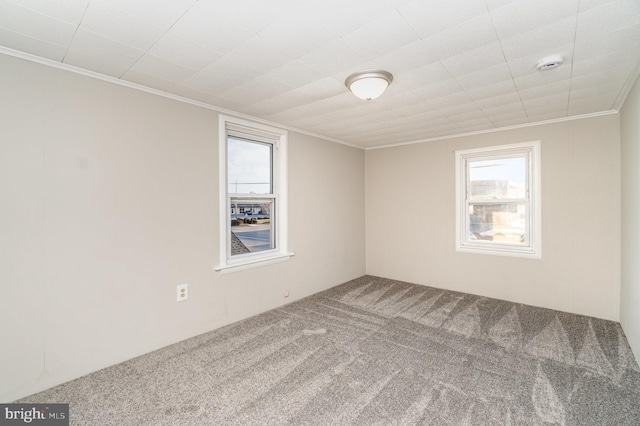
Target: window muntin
498, 200
252, 194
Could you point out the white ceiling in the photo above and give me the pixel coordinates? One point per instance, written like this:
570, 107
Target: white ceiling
459, 66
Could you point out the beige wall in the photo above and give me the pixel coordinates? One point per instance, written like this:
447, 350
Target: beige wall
630, 284
108, 200
410, 221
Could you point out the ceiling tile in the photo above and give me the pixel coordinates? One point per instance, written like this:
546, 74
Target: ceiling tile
506, 109
590, 4
624, 39
176, 49
502, 87
610, 16
157, 67
464, 110
296, 73
112, 23
149, 10
253, 15
598, 64
485, 77
326, 88
70, 11
342, 17
285, 35
447, 129
223, 103
205, 25
438, 89
510, 121
588, 105
603, 78
423, 76
487, 56
464, 37
595, 91
495, 4
499, 100
429, 18
559, 102
381, 36
538, 91
250, 55
101, 64
524, 15
476, 125
87, 44
219, 77
334, 57
541, 41
35, 25
269, 108
471, 115
256, 90
547, 114
397, 96
406, 58
455, 99
294, 98
31, 45
422, 110
516, 111
542, 78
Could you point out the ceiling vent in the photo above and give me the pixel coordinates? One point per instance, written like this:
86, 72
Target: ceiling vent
550, 62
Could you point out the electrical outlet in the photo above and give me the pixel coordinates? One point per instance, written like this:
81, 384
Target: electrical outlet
183, 292
285, 293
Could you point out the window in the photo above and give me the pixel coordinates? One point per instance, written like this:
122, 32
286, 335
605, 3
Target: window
253, 195
498, 200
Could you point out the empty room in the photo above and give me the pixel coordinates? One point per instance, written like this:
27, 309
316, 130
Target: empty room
387, 212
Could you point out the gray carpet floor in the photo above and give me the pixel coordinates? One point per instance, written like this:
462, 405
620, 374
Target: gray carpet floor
375, 351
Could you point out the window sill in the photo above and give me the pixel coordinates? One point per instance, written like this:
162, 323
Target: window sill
525, 254
252, 263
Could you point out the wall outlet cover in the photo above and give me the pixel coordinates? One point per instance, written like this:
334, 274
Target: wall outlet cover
182, 292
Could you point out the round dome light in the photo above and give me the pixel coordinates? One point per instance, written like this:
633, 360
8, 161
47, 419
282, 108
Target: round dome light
368, 85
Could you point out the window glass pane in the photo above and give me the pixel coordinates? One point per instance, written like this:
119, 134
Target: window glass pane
251, 226
498, 222
497, 178
248, 167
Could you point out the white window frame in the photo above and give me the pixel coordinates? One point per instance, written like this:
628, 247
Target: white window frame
533, 227
278, 138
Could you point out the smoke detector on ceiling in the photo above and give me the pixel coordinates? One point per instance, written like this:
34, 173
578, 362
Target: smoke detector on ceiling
550, 62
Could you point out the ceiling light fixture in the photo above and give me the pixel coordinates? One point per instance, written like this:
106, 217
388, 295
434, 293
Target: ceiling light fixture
369, 85
550, 62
